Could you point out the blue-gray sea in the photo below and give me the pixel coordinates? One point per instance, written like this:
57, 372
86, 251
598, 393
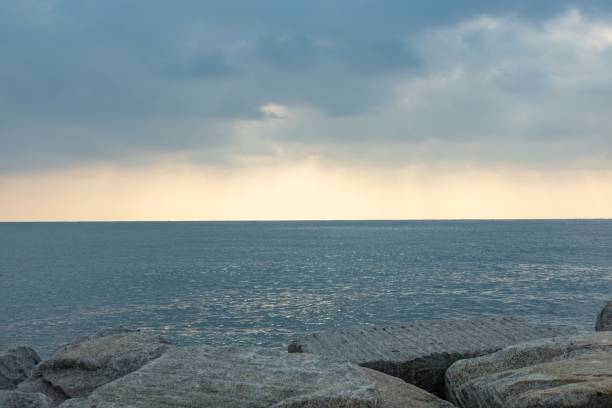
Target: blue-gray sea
258, 283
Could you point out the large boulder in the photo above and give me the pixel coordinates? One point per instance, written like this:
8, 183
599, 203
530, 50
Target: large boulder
604, 319
421, 351
77, 369
230, 377
16, 365
18, 399
573, 371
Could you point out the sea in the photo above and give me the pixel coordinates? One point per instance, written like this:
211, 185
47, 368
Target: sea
260, 283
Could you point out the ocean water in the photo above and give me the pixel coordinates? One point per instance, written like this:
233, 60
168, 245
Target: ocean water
258, 283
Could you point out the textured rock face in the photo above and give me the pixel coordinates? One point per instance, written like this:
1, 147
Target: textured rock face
239, 378
420, 352
77, 369
604, 319
16, 365
396, 393
17, 399
574, 371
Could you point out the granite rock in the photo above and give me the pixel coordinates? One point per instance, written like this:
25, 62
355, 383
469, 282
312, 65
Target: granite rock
572, 371
230, 377
604, 319
420, 352
75, 370
18, 399
16, 365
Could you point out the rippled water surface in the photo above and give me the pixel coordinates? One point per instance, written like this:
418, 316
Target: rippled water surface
261, 282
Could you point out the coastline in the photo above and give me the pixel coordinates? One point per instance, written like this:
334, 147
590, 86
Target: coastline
418, 363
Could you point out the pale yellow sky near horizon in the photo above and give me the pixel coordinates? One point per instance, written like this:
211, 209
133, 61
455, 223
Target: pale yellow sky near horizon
302, 191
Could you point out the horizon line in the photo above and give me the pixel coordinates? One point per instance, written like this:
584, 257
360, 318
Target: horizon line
303, 220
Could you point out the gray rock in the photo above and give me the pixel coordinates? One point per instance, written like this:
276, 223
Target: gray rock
75, 403
573, 371
604, 319
255, 378
77, 369
420, 352
16, 365
18, 399
396, 393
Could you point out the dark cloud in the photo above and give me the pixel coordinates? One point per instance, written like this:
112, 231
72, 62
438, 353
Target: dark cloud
207, 65
288, 52
100, 80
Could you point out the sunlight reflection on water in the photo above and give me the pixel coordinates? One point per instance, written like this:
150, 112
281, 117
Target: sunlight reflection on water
259, 283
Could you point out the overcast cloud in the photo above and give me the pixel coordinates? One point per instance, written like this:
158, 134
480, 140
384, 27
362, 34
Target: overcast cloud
384, 82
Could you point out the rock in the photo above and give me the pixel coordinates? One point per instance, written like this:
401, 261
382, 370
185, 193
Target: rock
572, 371
76, 402
230, 377
420, 352
77, 369
16, 365
396, 393
18, 399
604, 319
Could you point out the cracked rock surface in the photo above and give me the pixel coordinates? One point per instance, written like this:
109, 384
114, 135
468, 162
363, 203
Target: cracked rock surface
572, 371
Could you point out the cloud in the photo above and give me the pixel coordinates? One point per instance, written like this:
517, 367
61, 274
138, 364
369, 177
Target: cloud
274, 111
492, 90
384, 82
211, 65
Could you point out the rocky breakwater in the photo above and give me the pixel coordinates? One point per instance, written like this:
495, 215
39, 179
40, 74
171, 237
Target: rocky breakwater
132, 369
420, 352
16, 365
572, 371
76, 369
127, 368
232, 377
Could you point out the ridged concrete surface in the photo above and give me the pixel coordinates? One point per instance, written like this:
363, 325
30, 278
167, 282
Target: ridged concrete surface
420, 352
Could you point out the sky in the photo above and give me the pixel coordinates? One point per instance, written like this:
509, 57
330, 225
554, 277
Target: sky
287, 109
